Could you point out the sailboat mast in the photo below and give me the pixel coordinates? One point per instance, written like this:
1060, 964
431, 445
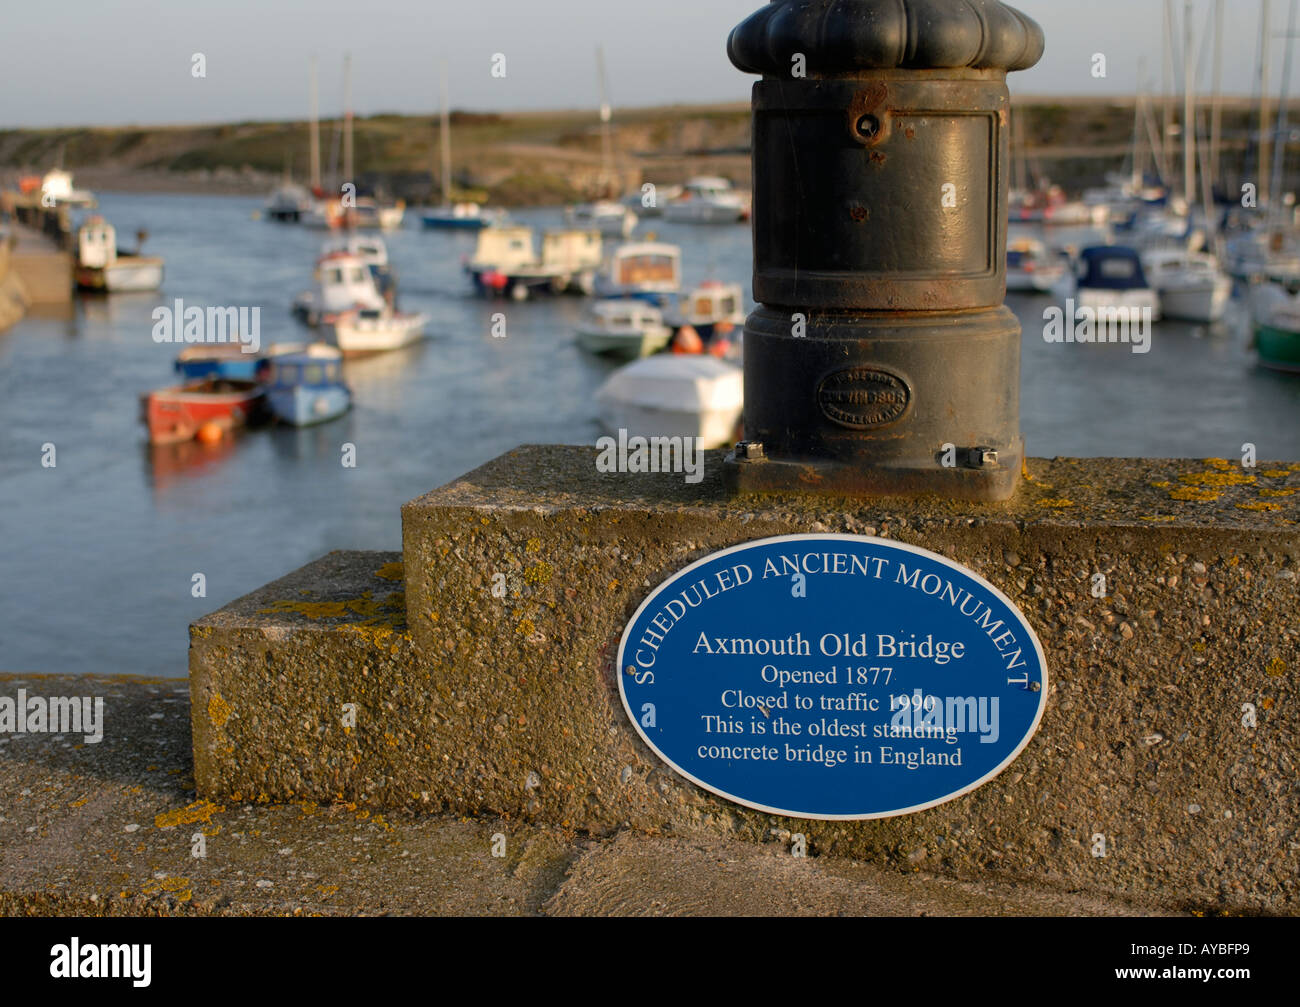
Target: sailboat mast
446, 137
1216, 108
1264, 139
606, 115
314, 129
347, 118
1283, 128
1167, 87
1189, 109
1139, 100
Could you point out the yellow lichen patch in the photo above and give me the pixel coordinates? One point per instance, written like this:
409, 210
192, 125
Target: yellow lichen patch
327, 889
1275, 474
200, 632
1165, 518
1276, 668
79, 804
1193, 495
538, 574
181, 888
533, 545
1161, 486
200, 812
389, 614
1056, 503
1277, 493
1259, 506
1266, 704
1222, 464
218, 711
1217, 479
526, 627
395, 570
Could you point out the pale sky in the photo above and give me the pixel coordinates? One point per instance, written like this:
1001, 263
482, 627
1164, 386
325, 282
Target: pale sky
119, 62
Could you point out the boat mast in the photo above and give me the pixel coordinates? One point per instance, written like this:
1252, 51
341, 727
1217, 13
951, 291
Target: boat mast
1283, 127
1139, 100
1189, 110
446, 137
606, 115
1264, 139
1167, 87
347, 118
1216, 108
314, 128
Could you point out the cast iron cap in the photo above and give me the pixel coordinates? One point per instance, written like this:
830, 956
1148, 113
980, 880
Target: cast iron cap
845, 36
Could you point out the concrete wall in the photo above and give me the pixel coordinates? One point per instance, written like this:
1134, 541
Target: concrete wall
480, 704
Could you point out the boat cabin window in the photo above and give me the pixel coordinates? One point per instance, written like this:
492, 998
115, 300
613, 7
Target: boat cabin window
728, 306
357, 275
333, 276
313, 374
1117, 269
704, 305
636, 269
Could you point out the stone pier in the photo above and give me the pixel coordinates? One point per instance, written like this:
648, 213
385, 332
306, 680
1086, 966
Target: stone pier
473, 673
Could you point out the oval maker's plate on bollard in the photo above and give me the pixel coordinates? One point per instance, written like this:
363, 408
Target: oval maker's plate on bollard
832, 677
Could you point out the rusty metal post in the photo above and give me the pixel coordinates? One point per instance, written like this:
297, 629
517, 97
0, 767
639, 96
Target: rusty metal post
881, 361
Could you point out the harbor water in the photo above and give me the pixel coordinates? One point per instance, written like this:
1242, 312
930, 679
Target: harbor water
99, 552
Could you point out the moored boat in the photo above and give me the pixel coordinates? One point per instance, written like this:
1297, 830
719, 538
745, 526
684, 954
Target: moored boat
505, 262
102, 267
711, 308
344, 281
305, 386
459, 217
363, 331
649, 270
1111, 277
611, 219
707, 200
674, 396
1276, 327
181, 412
1032, 268
626, 328
222, 360
1191, 285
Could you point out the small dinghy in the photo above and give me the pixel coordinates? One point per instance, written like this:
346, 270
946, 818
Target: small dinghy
210, 408
304, 385
674, 396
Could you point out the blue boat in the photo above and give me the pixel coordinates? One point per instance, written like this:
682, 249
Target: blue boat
459, 217
305, 386
224, 360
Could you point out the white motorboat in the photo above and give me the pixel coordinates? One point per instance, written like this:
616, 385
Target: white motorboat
1032, 268
671, 395
648, 269
1191, 285
711, 308
505, 262
343, 281
623, 327
708, 200
613, 220
57, 190
102, 267
361, 331
1111, 276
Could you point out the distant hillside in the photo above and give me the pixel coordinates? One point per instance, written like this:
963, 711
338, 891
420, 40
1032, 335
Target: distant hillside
527, 157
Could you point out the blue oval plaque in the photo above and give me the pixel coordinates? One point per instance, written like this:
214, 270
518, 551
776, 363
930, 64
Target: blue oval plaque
832, 677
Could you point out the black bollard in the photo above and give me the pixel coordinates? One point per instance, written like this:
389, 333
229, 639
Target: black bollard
881, 361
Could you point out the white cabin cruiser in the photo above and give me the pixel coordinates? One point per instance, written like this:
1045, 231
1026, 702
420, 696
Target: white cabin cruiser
623, 327
505, 262
651, 270
613, 220
1191, 285
1111, 277
672, 395
344, 281
708, 200
363, 331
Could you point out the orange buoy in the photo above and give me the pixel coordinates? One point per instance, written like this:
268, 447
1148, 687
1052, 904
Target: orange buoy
210, 433
687, 340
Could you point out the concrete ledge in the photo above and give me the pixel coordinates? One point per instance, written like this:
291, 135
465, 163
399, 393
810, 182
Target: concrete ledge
109, 829
508, 706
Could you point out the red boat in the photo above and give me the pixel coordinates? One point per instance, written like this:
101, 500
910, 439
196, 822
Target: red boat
177, 414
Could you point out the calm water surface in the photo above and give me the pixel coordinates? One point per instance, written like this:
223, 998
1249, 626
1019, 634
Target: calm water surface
97, 554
